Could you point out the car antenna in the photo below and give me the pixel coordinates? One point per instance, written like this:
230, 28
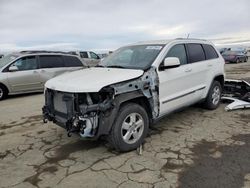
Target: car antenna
188, 35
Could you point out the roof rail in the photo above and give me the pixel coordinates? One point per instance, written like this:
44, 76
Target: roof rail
189, 39
42, 51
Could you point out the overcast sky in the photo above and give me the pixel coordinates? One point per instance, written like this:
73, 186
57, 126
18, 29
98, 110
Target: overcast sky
108, 24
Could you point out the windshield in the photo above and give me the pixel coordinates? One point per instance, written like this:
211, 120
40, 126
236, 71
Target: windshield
133, 57
6, 59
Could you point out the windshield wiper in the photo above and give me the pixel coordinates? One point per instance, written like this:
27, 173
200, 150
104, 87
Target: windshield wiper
116, 66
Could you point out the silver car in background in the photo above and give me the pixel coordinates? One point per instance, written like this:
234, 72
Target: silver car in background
27, 72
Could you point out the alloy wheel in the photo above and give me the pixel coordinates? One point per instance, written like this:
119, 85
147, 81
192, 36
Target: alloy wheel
132, 128
216, 95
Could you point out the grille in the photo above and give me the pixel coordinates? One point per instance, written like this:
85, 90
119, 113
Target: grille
59, 104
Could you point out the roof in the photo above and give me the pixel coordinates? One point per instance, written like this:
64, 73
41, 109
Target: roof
27, 53
164, 42
154, 42
42, 51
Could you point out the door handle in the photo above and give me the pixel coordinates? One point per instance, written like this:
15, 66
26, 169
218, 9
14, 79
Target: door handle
188, 70
43, 71
35, 71
210, 65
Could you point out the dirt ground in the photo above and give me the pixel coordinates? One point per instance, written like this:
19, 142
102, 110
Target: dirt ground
192, 148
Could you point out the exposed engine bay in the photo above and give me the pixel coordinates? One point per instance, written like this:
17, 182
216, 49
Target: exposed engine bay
92, 114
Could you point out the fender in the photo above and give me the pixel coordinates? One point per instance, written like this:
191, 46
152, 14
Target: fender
217, 78
106, 120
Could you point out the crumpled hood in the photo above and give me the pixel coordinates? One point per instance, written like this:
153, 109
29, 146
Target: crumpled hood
91, 79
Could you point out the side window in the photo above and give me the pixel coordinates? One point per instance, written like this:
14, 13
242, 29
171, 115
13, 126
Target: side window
210, 51
51, 61
94, 56
84, 54
71, 61
195, 52
26, 63
178, 51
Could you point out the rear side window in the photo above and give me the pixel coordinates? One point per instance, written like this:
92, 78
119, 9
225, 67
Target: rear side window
195, 53
178, 51
49, 61
210, 51
71, 61
84, 54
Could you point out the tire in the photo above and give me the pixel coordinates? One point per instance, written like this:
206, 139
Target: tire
214, 95
132, 120
237, 61
246, 59
3, 92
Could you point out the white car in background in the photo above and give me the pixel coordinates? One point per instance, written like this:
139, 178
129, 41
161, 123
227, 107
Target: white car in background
89, 57
134, 87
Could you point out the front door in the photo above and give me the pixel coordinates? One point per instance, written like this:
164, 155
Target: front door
176, 84
26, 77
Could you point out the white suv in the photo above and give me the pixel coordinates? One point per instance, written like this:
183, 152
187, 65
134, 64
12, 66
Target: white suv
134, 87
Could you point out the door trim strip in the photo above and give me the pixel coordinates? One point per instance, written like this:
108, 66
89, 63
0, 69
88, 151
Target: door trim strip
183, 95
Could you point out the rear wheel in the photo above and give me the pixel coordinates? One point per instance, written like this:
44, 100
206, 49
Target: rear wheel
245, 59
130, 128
214, 95
3, 92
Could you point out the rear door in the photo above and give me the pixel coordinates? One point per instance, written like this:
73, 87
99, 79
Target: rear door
200, 69
50, 66
27, 77
214, 65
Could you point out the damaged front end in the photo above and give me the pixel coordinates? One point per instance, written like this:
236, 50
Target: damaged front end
92, 114
77, 113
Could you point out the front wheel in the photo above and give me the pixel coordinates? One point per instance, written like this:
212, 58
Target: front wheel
3, 92
214, 95
130, 128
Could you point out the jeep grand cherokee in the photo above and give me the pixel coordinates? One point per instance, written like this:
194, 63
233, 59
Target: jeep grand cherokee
133, 88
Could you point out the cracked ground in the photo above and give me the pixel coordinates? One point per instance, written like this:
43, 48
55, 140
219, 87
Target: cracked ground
191, 148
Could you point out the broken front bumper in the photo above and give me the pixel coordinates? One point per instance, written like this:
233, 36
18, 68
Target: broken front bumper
77, 113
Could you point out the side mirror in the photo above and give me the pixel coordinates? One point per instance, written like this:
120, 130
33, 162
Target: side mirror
170, 62
13, 68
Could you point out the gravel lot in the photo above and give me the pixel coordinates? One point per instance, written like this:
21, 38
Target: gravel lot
192, 148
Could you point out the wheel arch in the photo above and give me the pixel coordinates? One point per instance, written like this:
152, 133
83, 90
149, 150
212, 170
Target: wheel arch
5, 87
106, 122
142, 101
221, 79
